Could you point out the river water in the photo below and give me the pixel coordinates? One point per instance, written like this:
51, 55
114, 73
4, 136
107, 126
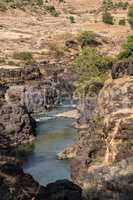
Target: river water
53, 135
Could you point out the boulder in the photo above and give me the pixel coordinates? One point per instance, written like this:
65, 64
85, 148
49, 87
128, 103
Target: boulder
16, 126
63, 190
122, 67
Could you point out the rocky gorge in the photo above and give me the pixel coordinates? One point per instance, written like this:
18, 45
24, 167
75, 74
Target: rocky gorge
19, 102
101, 158
51, 51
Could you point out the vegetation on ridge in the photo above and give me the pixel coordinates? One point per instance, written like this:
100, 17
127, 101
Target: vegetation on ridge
90, 66
127, 48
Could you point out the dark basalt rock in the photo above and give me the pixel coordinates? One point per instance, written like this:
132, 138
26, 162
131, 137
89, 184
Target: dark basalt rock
4, 190
122, 67
63, 190
16, 126
19, 75
3, 88
15, 184
71, 44
11, 168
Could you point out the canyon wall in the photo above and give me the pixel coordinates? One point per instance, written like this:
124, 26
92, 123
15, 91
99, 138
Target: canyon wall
103, 164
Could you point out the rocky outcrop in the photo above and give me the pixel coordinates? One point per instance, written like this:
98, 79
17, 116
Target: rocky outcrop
15, 184
16, 126
3, 88
38, 97
104, 161
122, 67
19, 75
88, 104
67, 153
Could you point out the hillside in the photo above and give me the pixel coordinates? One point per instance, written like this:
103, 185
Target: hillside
36, 30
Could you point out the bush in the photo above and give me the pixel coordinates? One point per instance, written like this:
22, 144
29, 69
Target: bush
39, 2
90, 66
107, 18
61, 1
26, 56
52, 11
130, 11
130, 21
87, 38
72, 19
127, 48
122, 22
130, 16
107, 5
122, 5
103, 63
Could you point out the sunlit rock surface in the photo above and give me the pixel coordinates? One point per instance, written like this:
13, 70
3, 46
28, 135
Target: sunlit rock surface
104, 161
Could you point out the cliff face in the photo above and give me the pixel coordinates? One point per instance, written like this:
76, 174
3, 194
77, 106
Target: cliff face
104, 161
16, 126
19, 75
38, 97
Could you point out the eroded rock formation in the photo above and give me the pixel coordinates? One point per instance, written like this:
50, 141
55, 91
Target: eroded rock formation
19, 75
104, 161
38, 97
16, 126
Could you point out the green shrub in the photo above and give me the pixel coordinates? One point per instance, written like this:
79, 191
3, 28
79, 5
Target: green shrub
72, 19
90, 66
52, 11
107, 5
61, 1
110, 5
130, 21
39, 2
122, 22
130, 11
87, 38
127, 48
122, 5
26, 56
103, 63
107, 18
130, 16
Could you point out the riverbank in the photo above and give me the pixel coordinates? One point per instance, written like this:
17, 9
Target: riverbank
16, 182
69, 114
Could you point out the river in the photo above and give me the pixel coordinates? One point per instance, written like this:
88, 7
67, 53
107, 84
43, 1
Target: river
53, 135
